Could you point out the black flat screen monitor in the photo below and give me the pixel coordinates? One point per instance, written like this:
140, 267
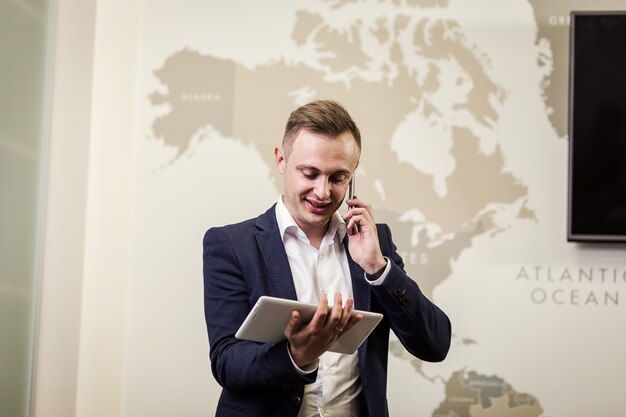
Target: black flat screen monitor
597, 127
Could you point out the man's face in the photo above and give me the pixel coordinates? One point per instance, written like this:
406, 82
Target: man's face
316, 175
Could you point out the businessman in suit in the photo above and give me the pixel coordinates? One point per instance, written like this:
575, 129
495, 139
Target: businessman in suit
303, 248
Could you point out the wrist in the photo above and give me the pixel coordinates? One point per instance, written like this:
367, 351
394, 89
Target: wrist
302, 369
375, 271
299, 361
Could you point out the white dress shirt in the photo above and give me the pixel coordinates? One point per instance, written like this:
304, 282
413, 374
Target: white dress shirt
314, 271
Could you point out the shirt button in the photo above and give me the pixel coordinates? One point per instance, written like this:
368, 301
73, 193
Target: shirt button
321, 412
296, 400
330, 371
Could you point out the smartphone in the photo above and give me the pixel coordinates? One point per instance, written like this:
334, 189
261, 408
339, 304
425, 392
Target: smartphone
351, 188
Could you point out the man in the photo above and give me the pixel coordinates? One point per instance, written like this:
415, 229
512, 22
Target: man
303, 249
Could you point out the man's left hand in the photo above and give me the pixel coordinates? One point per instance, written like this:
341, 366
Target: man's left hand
363, 242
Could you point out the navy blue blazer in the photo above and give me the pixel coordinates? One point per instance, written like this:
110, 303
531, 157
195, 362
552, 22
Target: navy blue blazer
246, 260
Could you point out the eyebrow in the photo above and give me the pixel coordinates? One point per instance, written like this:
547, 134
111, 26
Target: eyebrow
305, 167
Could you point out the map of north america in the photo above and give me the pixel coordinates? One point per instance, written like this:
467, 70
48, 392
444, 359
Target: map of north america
399, 75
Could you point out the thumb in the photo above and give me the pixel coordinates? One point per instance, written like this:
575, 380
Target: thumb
293, 323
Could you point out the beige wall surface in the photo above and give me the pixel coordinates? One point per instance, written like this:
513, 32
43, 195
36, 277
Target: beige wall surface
63, 246
177, 108
86, 264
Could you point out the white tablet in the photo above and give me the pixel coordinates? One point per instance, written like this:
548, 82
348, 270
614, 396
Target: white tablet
268, 318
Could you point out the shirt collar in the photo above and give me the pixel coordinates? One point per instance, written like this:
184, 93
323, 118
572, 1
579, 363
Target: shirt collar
287, 223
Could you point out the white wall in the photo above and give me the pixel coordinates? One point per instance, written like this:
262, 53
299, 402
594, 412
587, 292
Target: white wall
121, 330
65, 215
80, 356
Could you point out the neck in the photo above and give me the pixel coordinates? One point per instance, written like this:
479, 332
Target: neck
316, 235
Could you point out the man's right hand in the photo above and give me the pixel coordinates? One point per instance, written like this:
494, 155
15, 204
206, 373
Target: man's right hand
308, 341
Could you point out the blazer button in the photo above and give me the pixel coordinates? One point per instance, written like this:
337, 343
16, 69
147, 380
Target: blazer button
296, 400
400, 292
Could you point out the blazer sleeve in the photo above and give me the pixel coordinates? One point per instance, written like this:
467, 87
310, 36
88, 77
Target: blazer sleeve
422, 327
239, 365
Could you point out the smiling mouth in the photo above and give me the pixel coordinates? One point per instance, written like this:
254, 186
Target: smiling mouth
318, 207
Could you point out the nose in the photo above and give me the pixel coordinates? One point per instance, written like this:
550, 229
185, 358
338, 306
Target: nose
322, 188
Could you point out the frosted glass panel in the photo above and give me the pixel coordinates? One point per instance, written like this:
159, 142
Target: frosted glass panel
23, 67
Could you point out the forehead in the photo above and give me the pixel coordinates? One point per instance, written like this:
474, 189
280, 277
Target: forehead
342, 145
319, 149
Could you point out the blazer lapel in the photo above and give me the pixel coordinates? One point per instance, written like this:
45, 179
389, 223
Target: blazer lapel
274, 255
360, 288
362, 299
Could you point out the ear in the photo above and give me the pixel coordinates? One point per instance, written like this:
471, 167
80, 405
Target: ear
281, 161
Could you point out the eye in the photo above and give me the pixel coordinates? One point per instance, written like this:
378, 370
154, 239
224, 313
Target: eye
309, 175
339, 179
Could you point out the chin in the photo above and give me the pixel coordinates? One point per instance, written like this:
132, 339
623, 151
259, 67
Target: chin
317, 220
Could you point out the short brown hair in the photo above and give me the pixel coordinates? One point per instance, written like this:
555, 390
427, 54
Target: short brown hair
326, 117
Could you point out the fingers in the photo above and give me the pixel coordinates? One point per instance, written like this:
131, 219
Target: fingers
321, 313
336, 312
348, 320
351, 322
293, 323
345, 317
345, 321
359, 213
308, 341
326, 325
355, 203
356, 220
331, 320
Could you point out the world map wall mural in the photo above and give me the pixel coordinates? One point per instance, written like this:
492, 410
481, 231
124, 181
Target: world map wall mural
463, 111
